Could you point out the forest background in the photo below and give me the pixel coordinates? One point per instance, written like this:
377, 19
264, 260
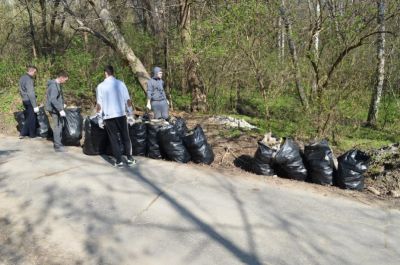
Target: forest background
302, 68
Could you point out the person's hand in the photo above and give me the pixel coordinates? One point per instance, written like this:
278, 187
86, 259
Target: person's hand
62, 113
36, 109
131, 120
168, 102
65, 106
101, 123
148, 105
130, 111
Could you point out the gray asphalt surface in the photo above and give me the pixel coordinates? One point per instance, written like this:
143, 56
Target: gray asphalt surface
76, 209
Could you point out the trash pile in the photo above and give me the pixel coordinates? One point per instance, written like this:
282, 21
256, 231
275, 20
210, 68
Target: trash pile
232, 122
316, 164
172, 140
383, 175
156, 139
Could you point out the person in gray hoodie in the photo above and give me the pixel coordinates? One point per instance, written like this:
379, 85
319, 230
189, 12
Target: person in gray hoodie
55, 106
156, 98
27, 92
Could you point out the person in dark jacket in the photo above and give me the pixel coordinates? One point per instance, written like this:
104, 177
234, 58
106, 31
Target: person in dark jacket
156, 98
55, 106
27, 92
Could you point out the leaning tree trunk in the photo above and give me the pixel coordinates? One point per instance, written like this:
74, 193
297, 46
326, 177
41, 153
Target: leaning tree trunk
120, 43
293, 53
192, 75
377, 94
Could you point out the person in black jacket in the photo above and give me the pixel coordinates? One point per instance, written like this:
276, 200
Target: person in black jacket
27, 92
55, 106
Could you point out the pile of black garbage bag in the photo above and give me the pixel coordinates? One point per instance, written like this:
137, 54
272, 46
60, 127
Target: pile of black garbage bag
316, 164
157, 139
72, 129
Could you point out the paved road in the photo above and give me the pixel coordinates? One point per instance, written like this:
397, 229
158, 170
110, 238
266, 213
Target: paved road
75, 209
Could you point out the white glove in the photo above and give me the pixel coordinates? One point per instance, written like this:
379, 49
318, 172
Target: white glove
100, 122
148, 105
168, 102
130, 111
36, 109
131, 120
65, 106
62, 113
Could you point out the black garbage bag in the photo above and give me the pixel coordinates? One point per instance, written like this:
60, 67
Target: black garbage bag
43, 127
96, 139
319, 161
263, 160
20, 118
196, 143
289, 163
42, 123
138, 135
244, 162
153, 143
352, 165
180, 126
172, 145
72, 128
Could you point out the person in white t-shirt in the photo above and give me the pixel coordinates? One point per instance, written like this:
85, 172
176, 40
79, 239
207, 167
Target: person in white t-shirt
114, 111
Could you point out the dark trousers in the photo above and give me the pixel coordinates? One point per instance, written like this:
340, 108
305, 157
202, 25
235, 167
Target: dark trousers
56, 125
117, 130
29, 128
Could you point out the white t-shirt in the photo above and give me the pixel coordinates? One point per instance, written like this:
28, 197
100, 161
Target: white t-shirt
112, 96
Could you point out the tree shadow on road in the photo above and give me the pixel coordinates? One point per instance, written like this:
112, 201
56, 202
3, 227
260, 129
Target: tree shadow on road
70, 203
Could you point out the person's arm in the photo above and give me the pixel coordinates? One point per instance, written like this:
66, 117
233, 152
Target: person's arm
99, 110
30, 91
149, 93
53, 98
99, 101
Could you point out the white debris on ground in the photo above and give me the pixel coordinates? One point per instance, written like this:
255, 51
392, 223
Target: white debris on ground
232, 122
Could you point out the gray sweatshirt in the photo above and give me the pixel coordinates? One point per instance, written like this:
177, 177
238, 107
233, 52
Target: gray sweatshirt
155, 87
27, 90
54, 97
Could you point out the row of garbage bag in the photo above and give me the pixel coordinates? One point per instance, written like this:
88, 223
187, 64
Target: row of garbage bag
316, 164
173, 141
155, 139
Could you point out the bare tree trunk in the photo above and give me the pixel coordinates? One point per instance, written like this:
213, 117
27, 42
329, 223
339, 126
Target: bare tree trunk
53, 19
32, 30
316, 40
45, 41
293, 53
194, 82
377, 94
157, 9
120, 43
281, 40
